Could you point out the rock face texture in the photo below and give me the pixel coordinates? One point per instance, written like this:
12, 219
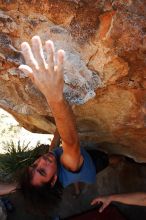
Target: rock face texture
105, 68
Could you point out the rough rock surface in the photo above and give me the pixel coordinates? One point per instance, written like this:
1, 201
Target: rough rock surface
105, 68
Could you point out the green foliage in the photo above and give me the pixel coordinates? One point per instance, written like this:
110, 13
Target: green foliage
17, 157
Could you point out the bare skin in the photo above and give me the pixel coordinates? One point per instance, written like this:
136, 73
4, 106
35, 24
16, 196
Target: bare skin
49, 80
138, 198
7, 188
55, 141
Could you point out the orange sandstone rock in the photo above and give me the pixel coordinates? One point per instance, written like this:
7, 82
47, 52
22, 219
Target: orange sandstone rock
105, 68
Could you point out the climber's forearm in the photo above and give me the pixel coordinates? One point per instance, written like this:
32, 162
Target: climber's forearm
138, 198
65, 122
7, 188
55, 141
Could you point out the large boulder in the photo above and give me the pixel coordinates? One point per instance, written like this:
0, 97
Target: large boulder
105, 68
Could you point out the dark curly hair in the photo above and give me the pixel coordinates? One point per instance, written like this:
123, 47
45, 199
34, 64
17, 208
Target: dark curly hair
43, 199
